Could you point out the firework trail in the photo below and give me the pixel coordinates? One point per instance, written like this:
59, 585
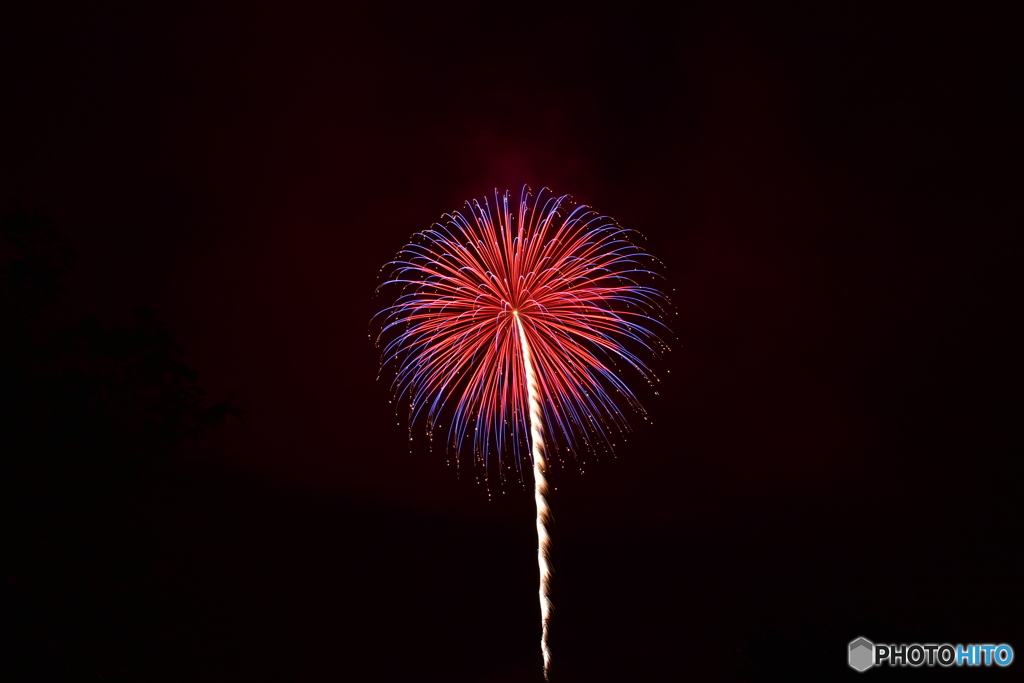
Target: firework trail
514, 324
540, 490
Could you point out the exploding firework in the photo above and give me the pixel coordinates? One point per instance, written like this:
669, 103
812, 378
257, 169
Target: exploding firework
513, 325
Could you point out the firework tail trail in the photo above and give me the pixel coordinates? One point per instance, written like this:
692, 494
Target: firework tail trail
540, 490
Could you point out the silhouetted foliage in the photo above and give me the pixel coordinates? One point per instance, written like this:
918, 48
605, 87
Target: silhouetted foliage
86, 412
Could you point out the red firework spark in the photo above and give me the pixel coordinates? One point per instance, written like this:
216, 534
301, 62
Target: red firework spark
569, 275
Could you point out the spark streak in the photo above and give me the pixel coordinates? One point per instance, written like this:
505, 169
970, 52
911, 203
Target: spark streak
540, 492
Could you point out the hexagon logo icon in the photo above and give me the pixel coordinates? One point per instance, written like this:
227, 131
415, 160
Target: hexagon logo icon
862, 654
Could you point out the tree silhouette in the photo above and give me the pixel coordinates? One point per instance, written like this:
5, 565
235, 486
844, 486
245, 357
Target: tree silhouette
87, 414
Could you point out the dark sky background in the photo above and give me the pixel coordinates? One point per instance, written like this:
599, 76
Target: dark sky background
835, 190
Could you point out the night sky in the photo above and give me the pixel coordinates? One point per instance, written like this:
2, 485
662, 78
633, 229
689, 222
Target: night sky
835, 191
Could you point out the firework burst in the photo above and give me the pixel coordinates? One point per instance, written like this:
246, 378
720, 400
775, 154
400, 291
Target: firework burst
513, 324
